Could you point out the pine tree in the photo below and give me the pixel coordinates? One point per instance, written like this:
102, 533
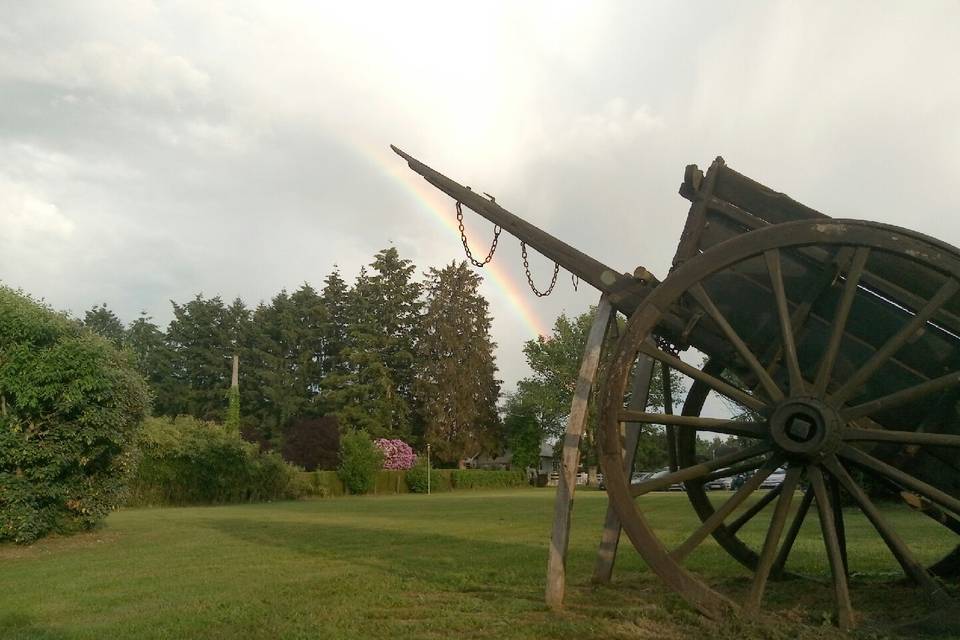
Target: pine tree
456, 370
105, 323
308, 345
364, 395
199, 338
154, 360
334, 299
375, 390
396, 317
269, 393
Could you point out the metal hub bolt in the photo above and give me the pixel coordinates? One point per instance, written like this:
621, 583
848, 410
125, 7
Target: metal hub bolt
805, 428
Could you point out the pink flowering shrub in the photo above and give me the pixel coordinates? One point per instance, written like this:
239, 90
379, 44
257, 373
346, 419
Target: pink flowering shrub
397, 454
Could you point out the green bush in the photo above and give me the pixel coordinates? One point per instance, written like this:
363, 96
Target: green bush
189, 461
70, 405
482, 479
360, 459
416, 476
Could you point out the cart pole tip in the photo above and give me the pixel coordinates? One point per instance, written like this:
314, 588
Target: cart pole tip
400, 153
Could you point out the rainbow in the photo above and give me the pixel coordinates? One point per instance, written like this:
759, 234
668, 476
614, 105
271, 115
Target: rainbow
442, 210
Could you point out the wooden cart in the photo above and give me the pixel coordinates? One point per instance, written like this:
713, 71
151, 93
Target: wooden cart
837, 343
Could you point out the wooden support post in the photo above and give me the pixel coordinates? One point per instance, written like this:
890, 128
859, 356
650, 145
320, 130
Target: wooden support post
610, 538
563, 505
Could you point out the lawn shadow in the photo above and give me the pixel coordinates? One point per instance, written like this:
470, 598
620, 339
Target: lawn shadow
495, 570
14, 626
443, 561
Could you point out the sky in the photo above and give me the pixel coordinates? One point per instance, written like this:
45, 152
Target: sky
150, 151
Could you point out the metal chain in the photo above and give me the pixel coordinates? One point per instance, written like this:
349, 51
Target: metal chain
526, 268
466, 247
575, 280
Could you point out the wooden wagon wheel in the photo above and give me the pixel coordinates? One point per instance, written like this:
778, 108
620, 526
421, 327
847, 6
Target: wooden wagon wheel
726, 534
819, 414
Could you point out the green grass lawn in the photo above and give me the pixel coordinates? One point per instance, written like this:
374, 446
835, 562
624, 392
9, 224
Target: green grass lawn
452, 565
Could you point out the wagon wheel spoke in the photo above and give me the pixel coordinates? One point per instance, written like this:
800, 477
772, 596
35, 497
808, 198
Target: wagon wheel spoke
754, 509
733, 470
903, 396
904, 437
698, 470
748, 428
820, 285
793, 532
713, 382
900, 478
890, 348
772, 541
900, 551
840, 590
825, 369
834, 488
775, 270
700, 295
716, 519
671, 432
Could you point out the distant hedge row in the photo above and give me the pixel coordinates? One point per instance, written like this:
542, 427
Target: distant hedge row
326, 483
188, 461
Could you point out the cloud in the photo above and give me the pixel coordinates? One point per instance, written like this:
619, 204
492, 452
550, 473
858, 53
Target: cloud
150, 151
28, 218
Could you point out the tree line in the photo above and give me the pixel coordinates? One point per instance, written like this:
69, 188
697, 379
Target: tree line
392, 355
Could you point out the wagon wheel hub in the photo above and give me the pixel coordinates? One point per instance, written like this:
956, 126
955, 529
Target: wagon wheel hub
805, 428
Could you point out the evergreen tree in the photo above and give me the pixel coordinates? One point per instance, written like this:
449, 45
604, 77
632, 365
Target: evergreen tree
364, 395
104, 322
334, 330
269, 393
456, 367
308, 344
375, 391
282, 375
396, 318
199, 339
154, 359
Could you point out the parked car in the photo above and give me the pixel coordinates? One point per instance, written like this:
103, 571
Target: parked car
635, 478
719, 484
676, 486
774, 480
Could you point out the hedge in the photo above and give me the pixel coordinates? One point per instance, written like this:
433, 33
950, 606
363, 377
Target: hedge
188, 461
481, 479
326, 484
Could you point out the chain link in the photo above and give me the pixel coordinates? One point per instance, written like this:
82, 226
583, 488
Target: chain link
667, 346
466, 247
526, 269
575, 280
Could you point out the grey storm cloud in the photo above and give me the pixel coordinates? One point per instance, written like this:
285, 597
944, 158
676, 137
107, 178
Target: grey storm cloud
150, 151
